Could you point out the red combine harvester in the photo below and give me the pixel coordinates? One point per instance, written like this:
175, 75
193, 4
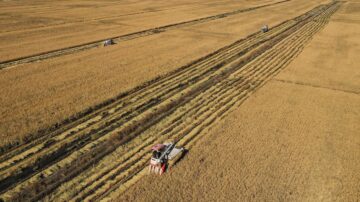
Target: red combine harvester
163, 155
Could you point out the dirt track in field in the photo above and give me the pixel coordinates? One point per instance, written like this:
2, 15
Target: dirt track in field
98, 155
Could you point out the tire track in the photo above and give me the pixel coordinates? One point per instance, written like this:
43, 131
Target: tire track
126, 37
129, 132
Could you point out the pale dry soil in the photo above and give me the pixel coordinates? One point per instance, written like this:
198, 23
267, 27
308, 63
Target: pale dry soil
37, 95
295, 139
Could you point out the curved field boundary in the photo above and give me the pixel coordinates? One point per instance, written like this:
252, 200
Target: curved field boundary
90, 160
126, 37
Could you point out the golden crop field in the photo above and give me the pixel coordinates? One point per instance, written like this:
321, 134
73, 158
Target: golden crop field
271, 115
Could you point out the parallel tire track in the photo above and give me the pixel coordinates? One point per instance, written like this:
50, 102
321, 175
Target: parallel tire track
116, 140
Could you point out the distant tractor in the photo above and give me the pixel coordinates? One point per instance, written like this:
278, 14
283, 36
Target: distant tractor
265, 28
162, 156
109, 42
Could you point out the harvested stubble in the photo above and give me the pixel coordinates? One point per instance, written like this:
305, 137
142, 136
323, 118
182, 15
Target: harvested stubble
234, 78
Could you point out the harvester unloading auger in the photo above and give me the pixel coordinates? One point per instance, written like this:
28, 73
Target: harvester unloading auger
163, 156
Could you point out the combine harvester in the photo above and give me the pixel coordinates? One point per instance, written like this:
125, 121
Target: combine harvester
109, 42
164, 156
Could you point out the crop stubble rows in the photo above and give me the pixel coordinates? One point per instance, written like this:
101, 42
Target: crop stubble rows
109, 149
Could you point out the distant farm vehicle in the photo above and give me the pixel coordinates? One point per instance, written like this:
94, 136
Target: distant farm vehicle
109, 42
163, 155
265, 28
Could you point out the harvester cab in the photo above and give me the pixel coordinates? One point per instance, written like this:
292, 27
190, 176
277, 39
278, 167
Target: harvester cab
163, 156
265, 28
109, 42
